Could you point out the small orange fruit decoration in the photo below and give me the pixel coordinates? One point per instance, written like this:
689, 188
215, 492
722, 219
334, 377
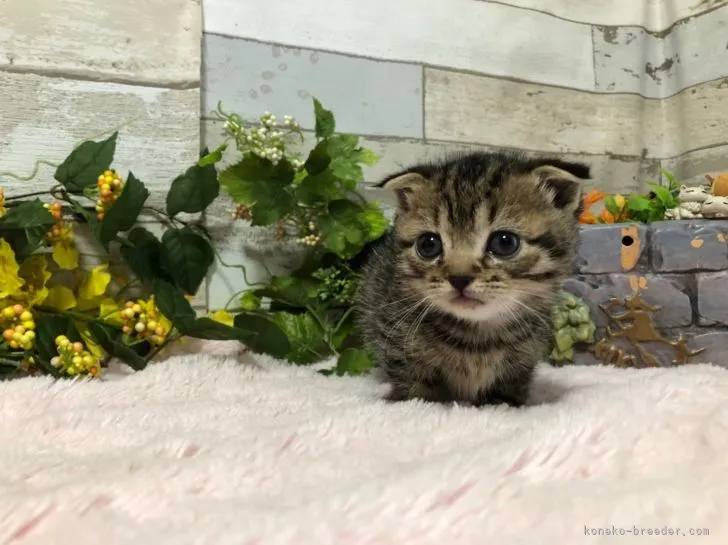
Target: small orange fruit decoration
718, 184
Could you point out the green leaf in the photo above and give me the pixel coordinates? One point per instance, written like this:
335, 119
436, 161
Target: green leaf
353, 361
124, 213
304, 334
269, 338
49, 327
257, 332
368, 157
341, 229
318, 160
173, 305
210, 158
292, 290
142, 255
638, 203
662, 193
193, 191
186, 256
85, 163
611, 205
261, 185
25, 242
27, 215
325, 124
374, 220
109, 339
320, 188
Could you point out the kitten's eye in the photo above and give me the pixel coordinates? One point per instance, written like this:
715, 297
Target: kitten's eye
429, 246
503, 244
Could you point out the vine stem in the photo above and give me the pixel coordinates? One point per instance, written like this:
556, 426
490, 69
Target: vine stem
26, 195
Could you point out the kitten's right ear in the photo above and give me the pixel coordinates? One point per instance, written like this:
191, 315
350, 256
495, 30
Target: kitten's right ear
405, 187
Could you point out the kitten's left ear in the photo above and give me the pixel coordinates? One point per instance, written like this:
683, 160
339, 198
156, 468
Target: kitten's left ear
562, 183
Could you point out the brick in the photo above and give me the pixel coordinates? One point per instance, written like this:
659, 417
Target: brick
611, 248
716, 348
712, 297
671, 293
677, 246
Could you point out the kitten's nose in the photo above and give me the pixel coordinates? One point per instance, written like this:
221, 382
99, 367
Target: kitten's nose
460, 282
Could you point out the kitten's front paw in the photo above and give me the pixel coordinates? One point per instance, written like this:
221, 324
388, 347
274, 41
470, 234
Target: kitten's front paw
436, 393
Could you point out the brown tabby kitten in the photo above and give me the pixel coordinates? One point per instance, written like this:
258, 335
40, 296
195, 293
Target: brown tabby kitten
455, 300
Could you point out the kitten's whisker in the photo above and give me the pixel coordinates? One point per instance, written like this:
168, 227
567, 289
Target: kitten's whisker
417, 323
407, 311
530, 310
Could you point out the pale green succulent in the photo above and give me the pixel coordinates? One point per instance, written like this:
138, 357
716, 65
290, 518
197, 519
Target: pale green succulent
572, 324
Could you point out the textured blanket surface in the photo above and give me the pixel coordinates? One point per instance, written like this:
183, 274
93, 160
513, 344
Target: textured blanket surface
214, 448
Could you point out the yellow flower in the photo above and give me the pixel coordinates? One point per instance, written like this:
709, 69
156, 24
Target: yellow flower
60, 298
65, 253
34, 271
10, 281
110, 312
93, 287
223, 317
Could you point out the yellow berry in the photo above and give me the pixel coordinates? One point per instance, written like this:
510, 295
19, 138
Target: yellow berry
17, 337
137, 308
30, 335
129, 312
29, 324
55, 361
77, 360
151, 324
77, 347
8, 334
159, 331
14, 345
88, 359
8, 312
26, 316
60, 339
139, 327
71, 370
19, 329
18, 309
126, 329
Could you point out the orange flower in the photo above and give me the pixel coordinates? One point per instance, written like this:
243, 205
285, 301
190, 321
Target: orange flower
591, 198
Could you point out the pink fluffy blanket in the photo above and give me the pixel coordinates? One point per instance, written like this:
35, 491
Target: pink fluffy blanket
214, 448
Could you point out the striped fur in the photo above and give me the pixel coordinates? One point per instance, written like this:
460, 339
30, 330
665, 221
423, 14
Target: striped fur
482, 349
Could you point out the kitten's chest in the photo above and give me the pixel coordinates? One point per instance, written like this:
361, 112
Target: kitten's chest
467, 373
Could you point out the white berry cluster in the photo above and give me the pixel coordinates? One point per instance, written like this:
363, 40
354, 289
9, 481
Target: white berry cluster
312, 238
268, 140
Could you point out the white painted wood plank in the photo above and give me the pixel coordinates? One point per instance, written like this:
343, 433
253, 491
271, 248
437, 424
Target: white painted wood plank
630, 60
693, 166
149, 42
466, 108
43, 118
369, 97
654, 15
463, 34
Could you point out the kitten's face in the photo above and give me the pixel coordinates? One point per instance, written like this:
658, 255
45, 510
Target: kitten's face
486, 241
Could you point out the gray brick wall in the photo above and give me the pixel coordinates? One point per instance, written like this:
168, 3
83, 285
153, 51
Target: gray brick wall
680, 266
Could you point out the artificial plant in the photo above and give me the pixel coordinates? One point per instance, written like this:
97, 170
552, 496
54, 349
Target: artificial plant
312, 199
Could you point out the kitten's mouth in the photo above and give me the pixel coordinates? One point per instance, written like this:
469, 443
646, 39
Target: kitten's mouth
466, 301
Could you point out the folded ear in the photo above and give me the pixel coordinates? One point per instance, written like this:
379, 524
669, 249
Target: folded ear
406, 187
562, 183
